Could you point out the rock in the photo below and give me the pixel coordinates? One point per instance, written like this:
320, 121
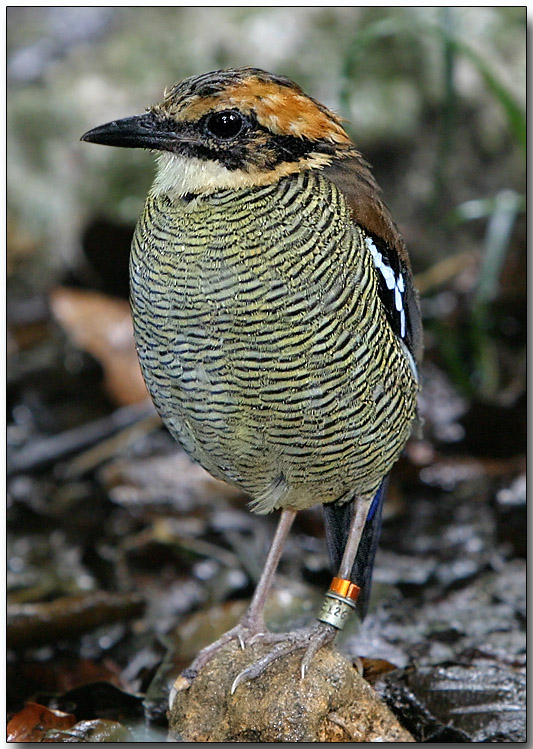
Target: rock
332, 703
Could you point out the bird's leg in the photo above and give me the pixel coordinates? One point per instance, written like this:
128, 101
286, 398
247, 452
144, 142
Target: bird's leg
254, 618
357, 527
338, 603
252, 623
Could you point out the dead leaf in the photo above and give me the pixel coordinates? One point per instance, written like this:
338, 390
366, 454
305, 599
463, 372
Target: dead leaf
374, 667
101, 325
31, 723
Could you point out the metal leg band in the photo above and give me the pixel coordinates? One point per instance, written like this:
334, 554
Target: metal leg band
339, 602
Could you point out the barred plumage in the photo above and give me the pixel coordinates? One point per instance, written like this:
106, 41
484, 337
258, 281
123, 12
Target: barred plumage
264, 343
276, 321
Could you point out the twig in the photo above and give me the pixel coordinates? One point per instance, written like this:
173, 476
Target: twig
41, 453
32, 624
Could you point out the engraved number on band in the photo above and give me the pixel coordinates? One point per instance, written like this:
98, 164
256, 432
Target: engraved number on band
337, 611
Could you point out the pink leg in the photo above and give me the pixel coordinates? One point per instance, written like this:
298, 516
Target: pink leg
313, 638
252, 623
253, 618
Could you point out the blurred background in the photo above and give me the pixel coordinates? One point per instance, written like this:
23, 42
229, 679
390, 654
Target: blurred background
122, 555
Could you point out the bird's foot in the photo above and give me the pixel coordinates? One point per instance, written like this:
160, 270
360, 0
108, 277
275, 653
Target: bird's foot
245, 632
311, 639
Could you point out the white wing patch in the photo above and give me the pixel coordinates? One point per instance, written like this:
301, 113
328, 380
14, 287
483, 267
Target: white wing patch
393, 282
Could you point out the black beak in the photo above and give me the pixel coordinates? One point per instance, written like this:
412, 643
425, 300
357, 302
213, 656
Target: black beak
142, 131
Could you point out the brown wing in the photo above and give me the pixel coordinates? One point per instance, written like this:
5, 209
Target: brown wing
355, 180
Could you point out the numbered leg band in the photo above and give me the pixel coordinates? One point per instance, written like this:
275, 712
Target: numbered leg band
339, 602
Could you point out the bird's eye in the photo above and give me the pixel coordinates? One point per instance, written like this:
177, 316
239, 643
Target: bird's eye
224, 125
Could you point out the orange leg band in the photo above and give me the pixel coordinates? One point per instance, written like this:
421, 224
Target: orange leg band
339, 602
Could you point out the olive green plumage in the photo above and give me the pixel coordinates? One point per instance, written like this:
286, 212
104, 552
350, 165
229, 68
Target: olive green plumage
264, 343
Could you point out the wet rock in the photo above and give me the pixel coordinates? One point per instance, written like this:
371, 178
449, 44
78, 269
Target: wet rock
482, 702
486, 616
90, 731
332, 703
512, 516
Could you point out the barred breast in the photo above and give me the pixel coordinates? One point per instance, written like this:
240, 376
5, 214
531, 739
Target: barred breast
264, 344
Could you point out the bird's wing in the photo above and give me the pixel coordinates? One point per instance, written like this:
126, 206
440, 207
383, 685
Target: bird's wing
354, 179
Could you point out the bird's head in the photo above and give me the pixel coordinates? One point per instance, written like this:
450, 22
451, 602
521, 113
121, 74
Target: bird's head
230, 129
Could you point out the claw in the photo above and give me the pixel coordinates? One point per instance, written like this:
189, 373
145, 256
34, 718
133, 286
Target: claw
257, 668
243, 633
245, 675
306, 660
312, 649
256, 637
182, 683
284, 643
236, 681
171, 697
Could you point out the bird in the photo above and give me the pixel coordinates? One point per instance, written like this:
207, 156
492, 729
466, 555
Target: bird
276, 320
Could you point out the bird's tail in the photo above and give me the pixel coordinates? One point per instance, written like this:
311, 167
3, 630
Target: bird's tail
337, 519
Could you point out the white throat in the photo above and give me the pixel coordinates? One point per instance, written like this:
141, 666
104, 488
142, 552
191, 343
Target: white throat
178, 175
